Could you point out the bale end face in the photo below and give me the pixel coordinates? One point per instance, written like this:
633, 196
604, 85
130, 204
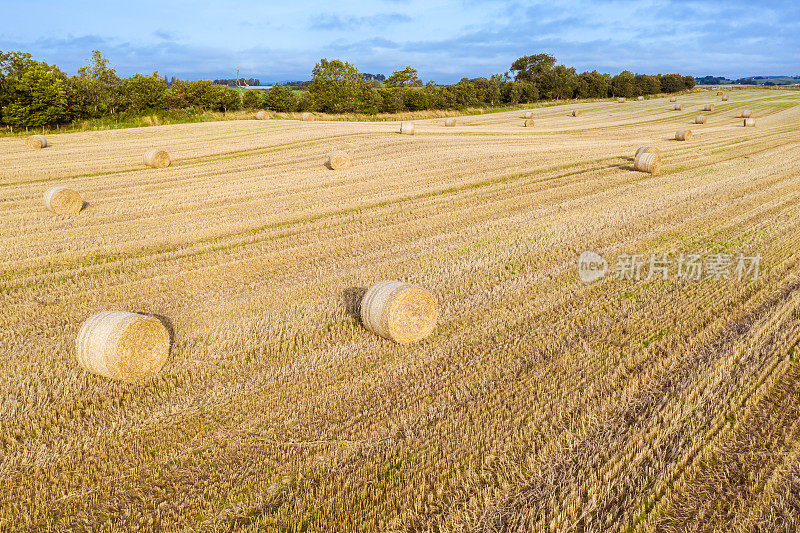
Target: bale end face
677, 107
673, 98
684, 135
399, 311
724, 97
749, 122
450, 122
708, 107
700, 119
338, 160
37, 141
647, 162
407, 128
63, 201
528, 123
157, 158
621, 100
576, 112
640, 97
746, 113
262, 115
122, 346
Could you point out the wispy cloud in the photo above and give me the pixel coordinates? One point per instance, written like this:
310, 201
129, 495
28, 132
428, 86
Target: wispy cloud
336, 21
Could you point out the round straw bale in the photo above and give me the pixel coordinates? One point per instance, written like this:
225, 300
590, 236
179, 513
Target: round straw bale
749, 122
746, 113
450, 122
724, 97
640, 97
63, 201
407, 128
708, 107
677, 107
719, 93
648, 150
37, 141
122, 345
621, 100
157, 158
576, 112
399, 311
338, 159
673, 98
700, 119
528, 123
647, 162
528, 114
262, 115
683, 135
306, 116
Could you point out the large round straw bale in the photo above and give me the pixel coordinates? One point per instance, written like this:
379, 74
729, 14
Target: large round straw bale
648, 150
683, 135
746, 113
719, 93
122, 345
647, 162
700, 119
407, 128
528, 114
157, 158
399, 311
306, 116
338, 159
673, 98
37, 141
708, 107
621, 100
528, 123
640, 97
262, 115
749, 122
677, 107
724, 97
576, 112
450, 122
63, 201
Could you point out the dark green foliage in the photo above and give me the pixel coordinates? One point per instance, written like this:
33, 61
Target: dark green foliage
37, 98
251, 100
142, 93
281, 98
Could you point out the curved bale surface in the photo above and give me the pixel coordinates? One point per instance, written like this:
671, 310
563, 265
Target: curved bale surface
724, 97
673, 98
677, 107
63, 201
528, 114
576, 112
683, 135
700, 119
749, 122
407, 128
621, 100
528, 123
307, 117
648, 150
262, 115
399, 311
640, 97
123, 346
37, 141
157, 158
450, 122
746, 113
647, 162
338, 160
708, 107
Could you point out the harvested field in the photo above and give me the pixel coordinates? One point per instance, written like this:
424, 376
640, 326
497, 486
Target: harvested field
537, 402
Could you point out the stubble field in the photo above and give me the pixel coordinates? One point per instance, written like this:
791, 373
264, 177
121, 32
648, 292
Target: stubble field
539, 403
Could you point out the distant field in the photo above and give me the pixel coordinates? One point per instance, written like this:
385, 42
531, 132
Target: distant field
539, 403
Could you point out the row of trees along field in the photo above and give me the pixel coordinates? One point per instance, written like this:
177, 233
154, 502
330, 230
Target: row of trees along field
33, 93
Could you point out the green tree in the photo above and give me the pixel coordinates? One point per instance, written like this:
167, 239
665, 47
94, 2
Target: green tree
37, 98
646, 84
408, 77
623, 84
141, 93
593, 85
672, 83
527, 68
101, 84
251, 100
281, 99
494, 91
559, 83
689, 82
335, 86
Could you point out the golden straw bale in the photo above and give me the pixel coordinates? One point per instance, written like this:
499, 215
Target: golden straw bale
338, 160
63, 201
647, 162
399, 311
37, 141
684, 135
157, 158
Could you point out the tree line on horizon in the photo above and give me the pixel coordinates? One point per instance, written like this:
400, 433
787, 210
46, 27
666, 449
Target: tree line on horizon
35, 94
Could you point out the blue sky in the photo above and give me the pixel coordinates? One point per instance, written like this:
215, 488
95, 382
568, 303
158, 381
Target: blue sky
444, 39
